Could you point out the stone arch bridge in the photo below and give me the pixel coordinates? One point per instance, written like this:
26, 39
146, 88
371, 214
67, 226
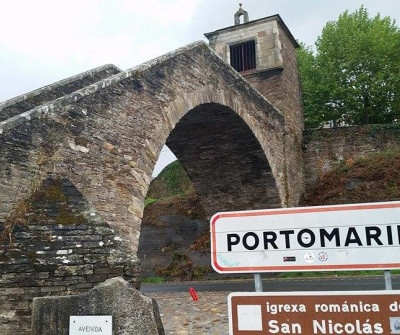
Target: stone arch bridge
103, 130
76, 160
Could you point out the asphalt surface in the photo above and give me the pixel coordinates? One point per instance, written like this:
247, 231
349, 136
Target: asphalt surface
278, 285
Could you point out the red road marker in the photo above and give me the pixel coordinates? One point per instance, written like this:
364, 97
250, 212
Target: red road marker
193, 294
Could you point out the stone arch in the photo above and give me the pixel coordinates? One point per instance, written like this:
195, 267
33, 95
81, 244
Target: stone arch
227, 166
106, 137
222, 156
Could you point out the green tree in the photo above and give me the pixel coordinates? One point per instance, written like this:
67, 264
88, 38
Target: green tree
354, 75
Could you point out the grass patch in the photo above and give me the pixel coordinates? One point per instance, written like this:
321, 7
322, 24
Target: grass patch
153, 280
149, 201
200, 271
180, 268
172, 181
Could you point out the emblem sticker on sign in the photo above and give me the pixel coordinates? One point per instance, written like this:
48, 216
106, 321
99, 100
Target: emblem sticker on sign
323, 256
309, 257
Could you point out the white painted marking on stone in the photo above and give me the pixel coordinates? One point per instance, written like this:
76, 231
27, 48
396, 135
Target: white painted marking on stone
92, 214
7, 315
101, 243
64, 252
80, 148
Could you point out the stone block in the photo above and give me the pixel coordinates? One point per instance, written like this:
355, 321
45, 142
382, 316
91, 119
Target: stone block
132, 312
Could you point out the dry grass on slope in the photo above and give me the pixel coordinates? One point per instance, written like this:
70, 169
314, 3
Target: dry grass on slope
370, 179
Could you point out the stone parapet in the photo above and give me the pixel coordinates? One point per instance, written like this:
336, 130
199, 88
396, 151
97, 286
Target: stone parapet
26, 102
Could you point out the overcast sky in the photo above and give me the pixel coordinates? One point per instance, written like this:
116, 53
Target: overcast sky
42, 41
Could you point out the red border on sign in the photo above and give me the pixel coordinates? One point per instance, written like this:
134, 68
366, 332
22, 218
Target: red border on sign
284, 211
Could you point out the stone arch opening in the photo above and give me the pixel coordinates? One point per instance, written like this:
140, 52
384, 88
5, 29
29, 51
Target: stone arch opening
229, 171
224, 160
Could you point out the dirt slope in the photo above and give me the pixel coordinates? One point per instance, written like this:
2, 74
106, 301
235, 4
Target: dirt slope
175, 234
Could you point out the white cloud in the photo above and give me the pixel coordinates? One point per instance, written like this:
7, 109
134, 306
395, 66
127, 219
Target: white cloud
162, 12
44, 27
46, 40
42, 41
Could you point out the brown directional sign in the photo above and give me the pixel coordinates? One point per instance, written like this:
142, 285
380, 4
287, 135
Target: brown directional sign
314, 313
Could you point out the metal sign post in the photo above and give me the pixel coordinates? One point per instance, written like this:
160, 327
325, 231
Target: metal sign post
388, 280
258, 282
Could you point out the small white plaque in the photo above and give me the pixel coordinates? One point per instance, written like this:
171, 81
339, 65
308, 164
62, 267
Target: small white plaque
90, 324
249, 317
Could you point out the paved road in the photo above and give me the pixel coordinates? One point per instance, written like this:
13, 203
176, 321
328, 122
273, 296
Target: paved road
182, 316
277, 285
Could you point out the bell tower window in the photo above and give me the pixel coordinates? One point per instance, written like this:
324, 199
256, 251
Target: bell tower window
243, 56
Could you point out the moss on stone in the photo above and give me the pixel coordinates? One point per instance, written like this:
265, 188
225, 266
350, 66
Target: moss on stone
52, 194
66, 217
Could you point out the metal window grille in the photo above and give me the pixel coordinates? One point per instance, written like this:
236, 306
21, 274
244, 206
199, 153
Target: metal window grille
243, 56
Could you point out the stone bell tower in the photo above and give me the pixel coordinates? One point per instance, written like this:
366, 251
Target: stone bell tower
263, 52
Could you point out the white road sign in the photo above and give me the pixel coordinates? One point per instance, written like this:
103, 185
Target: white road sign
323, 238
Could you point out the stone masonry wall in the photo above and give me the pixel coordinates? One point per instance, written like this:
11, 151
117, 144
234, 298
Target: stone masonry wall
276, 73
323, 149
59, 246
